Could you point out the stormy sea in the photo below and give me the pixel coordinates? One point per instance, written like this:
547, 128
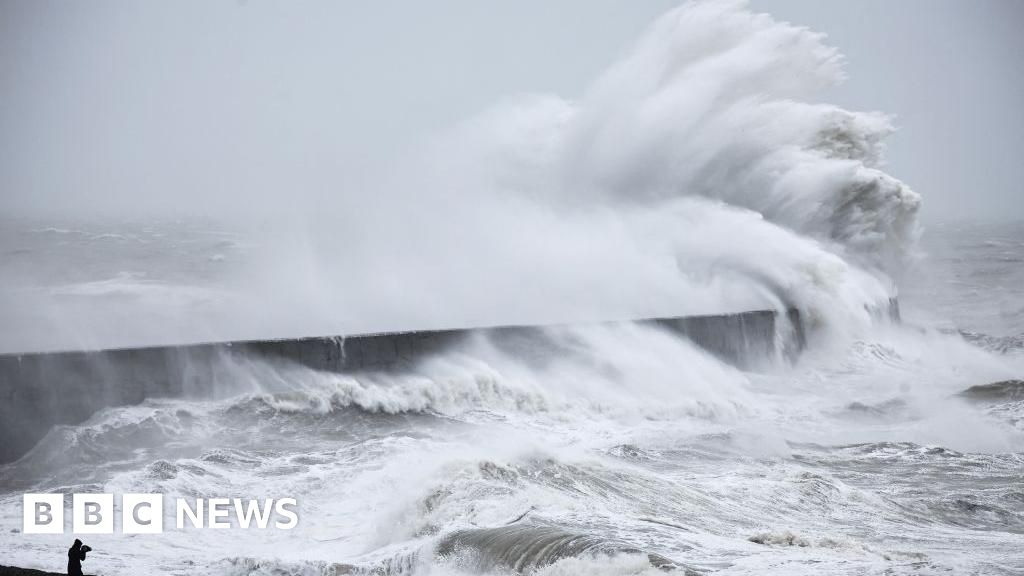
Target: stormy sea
697, 174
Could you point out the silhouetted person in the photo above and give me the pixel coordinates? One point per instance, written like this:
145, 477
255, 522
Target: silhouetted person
75, 556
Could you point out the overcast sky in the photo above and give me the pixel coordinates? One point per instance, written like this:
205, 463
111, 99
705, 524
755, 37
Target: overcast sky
156, 105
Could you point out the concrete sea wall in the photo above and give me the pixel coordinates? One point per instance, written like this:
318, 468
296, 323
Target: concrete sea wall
42, 390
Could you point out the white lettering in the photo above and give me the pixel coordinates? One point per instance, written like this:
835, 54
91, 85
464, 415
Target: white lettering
185, 510
218, 510
262, 516
291, 515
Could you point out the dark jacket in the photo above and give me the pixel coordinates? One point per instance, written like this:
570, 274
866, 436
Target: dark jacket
75, 557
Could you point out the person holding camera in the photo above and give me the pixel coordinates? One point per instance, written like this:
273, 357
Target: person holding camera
76, 554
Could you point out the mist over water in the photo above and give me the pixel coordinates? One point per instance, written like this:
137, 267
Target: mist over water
697, 174
691, 177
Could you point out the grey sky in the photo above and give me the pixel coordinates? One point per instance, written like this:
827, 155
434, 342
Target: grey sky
952, 71
160, 105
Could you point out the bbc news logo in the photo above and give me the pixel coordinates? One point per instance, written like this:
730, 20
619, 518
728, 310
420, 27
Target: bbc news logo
144, 513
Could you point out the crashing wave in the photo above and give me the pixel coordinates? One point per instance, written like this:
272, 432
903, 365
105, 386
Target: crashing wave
698, 165
1000, 344
1004, 391
526, 548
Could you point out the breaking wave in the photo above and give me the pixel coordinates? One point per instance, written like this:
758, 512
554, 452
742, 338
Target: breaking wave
699, 142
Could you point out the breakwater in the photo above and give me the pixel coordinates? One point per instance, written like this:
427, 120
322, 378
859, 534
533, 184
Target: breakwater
42, 390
